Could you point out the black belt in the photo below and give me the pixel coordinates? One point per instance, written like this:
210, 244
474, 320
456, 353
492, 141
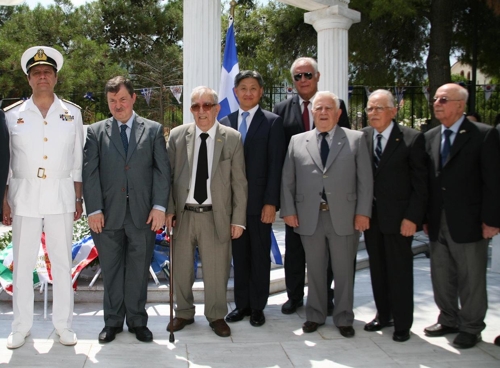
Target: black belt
199, 209
324, 206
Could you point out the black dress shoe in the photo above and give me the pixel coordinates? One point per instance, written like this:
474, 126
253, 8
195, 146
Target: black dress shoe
310, 326
401, 336
377, 325
257, 318
438, 329
291, 306
238, 315
497, 341
142, 333
465, 340
108, 333
346, 331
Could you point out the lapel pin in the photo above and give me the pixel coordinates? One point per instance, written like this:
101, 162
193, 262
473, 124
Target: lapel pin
462, 131
20, 121
339, 143
397, 139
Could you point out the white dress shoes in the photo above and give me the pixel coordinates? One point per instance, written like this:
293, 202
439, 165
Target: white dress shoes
67, 337
16, 339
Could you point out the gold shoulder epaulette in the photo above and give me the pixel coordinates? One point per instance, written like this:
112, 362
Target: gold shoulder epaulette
13, 105
72, 103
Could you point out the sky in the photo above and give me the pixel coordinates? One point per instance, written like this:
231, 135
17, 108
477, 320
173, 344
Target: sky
34, 3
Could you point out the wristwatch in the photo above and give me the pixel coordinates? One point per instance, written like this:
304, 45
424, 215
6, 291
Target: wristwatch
79, 199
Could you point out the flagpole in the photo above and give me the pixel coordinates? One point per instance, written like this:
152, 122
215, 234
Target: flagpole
231, 10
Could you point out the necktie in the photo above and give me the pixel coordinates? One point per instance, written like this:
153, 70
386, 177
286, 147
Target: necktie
378, 151
123, 136
305, 117
325, 150
445, 152
200, 186
243, 126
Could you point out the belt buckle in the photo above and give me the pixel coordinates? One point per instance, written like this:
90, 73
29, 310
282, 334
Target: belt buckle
199, 209
41, 173
323, 206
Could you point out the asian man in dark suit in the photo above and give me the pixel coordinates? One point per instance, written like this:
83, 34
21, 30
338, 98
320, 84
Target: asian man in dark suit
126, 183
297, 118
264, 143
400, 199
463, 214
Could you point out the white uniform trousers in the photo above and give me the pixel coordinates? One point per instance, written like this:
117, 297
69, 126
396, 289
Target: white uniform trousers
26, 239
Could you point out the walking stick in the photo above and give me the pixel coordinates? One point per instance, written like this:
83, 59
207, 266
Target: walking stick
171, 284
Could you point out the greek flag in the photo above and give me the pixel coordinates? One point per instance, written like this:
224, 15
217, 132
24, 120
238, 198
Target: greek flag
227, 99
275, 250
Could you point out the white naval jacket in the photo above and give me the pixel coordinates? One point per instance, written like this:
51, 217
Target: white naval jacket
46, 157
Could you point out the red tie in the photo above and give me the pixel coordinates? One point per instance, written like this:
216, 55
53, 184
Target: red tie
305, 117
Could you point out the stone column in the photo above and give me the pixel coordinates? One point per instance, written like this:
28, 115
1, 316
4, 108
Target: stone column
332, 24
202, 48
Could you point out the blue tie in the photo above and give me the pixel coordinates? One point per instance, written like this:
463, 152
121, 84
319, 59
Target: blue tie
123, 136
243, 126
445, 152
378, 151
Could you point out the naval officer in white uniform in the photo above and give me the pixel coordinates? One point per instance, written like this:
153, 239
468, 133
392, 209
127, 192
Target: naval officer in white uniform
44, 191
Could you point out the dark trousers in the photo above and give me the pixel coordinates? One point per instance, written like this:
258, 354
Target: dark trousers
252, 265
295, 268
391, 270
125, 256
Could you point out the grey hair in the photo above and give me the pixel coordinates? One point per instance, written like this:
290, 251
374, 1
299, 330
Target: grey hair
332, 95
203, 90
385, 93
307, 60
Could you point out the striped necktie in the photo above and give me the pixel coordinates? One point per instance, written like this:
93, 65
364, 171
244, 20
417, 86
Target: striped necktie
378, 151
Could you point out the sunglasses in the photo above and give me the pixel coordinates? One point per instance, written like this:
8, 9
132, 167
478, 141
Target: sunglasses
206, 107
298, 77
442, 100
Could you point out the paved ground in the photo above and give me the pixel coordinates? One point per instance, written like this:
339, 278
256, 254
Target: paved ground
279, 343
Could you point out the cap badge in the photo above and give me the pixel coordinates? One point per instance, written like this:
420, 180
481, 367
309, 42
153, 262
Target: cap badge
40, 55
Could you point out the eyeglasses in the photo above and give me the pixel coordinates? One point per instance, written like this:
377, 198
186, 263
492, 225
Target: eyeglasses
298, 77
442, 100
206, 107
369, 110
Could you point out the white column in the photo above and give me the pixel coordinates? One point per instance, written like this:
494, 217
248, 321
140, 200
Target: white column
332, 24
201, 47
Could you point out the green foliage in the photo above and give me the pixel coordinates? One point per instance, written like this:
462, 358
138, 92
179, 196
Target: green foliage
5, 239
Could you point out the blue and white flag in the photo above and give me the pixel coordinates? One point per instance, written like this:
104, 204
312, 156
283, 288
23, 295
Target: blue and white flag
275, 250
227, 99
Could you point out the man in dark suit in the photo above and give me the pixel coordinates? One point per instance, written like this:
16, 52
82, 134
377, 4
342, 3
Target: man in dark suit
126, 181
264, 144
326, 197
297, 118
208, 199
4, 156
463, 214
400, 199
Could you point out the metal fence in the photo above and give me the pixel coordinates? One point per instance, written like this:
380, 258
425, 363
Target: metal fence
413, 101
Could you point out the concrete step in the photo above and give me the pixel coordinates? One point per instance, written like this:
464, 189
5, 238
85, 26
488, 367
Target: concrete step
160, 293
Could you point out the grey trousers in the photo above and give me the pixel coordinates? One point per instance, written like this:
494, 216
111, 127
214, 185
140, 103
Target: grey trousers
342, 252
458, 272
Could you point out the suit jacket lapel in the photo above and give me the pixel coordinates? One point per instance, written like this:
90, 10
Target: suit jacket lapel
114, 136
435, 143
312, 148
135, 135
233, 119
297, 112
254, 126
339, 139
392, 143
369, 140
220, 140
190, 139
462, 137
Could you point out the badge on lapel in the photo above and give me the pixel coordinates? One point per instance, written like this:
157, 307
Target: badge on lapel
20, 121
66, 116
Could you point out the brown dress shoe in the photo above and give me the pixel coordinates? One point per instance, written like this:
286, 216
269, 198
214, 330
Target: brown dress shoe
180, 323
220, 328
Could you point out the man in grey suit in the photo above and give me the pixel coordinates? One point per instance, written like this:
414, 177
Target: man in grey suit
327, 193
126, 181
208, 200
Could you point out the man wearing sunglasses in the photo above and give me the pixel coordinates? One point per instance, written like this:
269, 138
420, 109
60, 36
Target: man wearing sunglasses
208, 200
400, 199
264, 145
463, 214
297, 118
